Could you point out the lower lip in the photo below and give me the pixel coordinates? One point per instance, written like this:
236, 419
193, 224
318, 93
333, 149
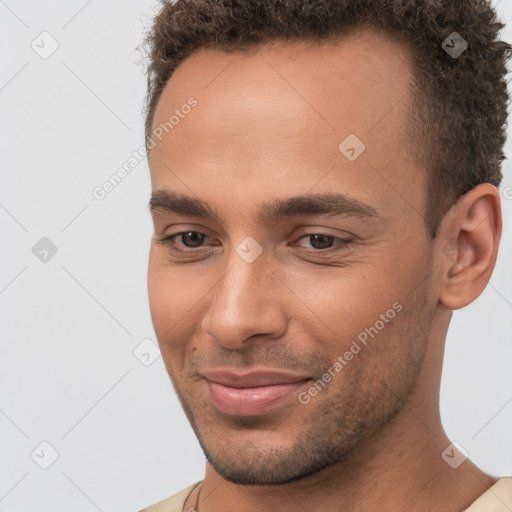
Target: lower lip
251, 401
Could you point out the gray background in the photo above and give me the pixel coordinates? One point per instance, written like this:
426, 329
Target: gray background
70, 325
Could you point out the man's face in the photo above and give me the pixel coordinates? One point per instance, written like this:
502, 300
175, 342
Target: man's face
300, 291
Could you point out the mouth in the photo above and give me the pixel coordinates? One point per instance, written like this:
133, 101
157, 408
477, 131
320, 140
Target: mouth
251, 393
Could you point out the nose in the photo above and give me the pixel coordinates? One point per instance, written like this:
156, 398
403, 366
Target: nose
245, 303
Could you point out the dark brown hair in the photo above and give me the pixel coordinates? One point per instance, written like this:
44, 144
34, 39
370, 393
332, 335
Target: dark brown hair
458, 118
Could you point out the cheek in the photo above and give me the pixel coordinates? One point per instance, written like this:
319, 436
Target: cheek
159, 299
343, 300
166, 312
166, 301
177, 297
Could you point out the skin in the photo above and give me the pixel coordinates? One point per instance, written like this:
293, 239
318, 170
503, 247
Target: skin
265, 129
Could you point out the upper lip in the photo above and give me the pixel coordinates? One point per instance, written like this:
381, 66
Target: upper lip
252, 379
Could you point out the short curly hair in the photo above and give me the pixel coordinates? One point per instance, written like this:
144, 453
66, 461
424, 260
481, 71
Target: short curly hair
457, 123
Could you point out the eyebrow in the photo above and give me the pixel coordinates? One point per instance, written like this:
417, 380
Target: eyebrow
329, 204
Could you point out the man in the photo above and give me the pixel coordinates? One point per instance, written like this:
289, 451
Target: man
324, 195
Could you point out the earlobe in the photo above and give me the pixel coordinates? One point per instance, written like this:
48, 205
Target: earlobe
468, 244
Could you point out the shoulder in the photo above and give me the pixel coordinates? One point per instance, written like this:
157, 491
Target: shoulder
497, 498
174, 503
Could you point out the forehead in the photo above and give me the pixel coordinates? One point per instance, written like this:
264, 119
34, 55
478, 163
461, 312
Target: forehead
358, 64
281, 110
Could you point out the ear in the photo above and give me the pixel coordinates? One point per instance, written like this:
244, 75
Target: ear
468, 240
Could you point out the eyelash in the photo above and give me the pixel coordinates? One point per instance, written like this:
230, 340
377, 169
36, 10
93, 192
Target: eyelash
171, 245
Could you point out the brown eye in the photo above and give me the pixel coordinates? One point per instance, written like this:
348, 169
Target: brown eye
192, 238
321, 241
180, 242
